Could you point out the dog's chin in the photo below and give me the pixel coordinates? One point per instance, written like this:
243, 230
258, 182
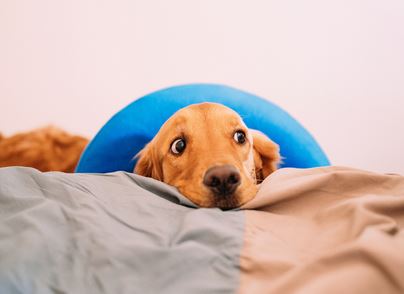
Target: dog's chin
205, 198
224, 202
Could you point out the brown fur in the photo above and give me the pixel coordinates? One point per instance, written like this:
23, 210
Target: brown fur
46, 149
208, 129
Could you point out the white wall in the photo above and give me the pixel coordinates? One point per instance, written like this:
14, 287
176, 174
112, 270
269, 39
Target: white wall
337, 66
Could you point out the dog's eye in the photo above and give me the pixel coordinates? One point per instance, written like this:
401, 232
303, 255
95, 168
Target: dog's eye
239, 137
178, 146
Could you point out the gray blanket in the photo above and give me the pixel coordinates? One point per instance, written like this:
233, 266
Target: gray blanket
111, 233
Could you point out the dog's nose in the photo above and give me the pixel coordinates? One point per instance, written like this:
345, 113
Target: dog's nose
222, 180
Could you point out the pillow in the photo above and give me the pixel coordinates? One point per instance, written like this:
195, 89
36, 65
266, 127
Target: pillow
129, 130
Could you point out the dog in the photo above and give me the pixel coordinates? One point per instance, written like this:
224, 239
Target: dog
208, 153
46, 149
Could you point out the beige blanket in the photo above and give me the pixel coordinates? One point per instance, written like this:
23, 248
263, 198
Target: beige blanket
325, 230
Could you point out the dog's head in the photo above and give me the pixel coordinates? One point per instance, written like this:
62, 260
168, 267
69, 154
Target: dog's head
207, 152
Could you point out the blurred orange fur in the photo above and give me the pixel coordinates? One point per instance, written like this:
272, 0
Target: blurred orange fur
46, 149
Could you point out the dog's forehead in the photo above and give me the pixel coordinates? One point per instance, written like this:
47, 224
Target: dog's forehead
207, 110
197, 116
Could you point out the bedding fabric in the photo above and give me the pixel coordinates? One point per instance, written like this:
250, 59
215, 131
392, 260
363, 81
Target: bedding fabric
320, 230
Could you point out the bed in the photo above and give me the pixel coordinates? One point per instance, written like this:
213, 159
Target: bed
319, 230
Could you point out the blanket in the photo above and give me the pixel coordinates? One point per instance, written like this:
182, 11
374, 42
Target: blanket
320, 230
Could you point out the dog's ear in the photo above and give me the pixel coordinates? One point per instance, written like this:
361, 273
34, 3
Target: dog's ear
148, 164
266, 155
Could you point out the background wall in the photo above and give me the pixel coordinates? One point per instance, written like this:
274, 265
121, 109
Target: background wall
337, 66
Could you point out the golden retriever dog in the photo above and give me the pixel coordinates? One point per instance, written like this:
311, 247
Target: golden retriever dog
207, 152
46, 149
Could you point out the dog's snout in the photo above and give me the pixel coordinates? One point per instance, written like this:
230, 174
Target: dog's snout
222, 180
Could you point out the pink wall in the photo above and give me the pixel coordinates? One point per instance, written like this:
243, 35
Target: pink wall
337, 66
